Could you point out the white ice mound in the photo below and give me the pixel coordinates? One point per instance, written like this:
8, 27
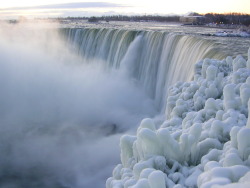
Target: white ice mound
205, 140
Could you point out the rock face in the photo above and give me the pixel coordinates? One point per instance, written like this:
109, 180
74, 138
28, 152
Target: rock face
204, 142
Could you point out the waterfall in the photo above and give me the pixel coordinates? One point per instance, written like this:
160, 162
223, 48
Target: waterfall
156, 59
66, 98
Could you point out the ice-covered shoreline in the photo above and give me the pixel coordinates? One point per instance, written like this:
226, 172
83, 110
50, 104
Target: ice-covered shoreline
205, 140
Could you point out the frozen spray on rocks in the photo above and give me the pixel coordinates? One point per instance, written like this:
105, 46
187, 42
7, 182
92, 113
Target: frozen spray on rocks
204, 141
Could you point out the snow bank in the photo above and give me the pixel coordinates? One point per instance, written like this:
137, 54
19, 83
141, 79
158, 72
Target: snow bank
205, 140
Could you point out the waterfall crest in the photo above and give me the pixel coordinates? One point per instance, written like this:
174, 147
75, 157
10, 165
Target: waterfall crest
156, 59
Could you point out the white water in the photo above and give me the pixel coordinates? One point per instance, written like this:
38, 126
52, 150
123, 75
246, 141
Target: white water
61, 114
156, 59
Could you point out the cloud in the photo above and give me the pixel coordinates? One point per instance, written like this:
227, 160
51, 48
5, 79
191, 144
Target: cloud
75, 5
61, 9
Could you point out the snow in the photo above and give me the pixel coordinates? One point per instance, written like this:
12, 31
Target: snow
204, 140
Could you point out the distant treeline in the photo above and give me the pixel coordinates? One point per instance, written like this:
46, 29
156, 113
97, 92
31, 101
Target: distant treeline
141, 18
127, 18
229, 18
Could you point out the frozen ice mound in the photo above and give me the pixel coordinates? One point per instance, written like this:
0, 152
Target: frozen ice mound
204, 141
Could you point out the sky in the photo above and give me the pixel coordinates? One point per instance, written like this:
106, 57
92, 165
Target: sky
64, 8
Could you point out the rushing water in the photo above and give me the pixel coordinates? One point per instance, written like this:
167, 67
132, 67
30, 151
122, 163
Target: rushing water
66, 96
157, 59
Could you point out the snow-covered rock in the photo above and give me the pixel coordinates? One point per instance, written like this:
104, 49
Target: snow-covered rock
205, 140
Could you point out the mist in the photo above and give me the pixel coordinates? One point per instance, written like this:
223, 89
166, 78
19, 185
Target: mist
60, 117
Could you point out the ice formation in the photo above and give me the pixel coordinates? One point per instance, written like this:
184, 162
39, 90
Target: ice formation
204, 142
